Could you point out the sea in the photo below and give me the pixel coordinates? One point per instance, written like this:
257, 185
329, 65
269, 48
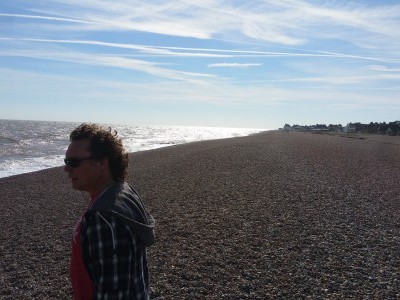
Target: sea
27, 146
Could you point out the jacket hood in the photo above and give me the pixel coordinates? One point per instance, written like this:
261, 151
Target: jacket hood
123, 202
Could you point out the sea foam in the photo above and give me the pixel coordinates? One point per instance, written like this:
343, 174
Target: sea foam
27, 146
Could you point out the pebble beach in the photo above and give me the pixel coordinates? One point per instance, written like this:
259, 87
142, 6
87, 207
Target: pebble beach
275, 215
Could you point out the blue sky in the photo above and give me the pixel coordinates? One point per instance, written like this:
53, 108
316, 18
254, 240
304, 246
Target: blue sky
254, 64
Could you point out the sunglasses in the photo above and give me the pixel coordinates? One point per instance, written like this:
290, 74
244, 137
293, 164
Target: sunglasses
75, 162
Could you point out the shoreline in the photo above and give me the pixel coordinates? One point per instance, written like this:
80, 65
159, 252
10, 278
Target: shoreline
270, 215
58, 155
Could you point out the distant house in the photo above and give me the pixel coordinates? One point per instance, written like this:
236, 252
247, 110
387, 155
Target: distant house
335, 128
349, 128
287, 127
320, 127
393, 128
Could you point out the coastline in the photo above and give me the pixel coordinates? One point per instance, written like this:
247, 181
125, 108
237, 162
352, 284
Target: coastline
29, 146
270, 215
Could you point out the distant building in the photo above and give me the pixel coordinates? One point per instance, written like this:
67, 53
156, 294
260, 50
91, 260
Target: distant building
349, 128
393, 128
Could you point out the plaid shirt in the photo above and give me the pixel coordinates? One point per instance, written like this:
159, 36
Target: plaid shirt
115, 258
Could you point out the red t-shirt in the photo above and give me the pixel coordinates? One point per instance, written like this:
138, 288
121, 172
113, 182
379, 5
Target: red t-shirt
82, 285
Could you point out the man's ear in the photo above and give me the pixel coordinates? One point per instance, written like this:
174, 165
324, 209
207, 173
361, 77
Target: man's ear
104, 163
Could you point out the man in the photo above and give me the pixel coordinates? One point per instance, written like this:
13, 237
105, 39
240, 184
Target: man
108, 258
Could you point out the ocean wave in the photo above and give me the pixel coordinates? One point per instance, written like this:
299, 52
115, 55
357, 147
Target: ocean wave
27, 146
7, 140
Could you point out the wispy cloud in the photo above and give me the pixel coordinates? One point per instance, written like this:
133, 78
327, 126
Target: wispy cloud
278, 22
38, 17
233, 65
180, 92
153, 50
160, 70
384, 68
119, 62
202, 52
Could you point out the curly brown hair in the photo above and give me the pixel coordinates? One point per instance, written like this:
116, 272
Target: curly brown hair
104, 143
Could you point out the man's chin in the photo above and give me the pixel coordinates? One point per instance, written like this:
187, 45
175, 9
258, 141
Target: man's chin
75, 185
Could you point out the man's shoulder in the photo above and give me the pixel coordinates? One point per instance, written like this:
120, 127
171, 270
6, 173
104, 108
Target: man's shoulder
123, 202
115, 197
